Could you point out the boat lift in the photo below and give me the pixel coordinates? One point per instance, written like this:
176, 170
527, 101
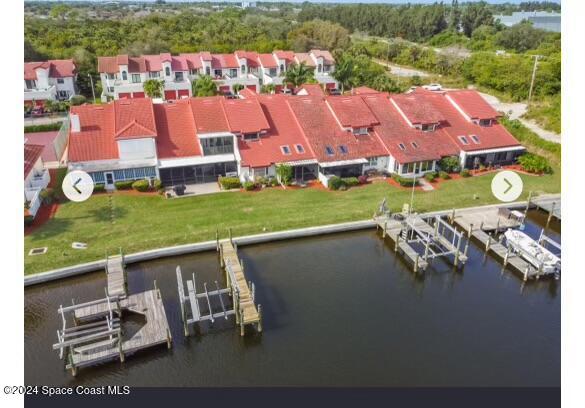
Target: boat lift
191, 302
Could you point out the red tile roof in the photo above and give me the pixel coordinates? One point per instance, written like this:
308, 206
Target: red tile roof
326, 55
417, 109
455, 125
102, 125
395, 133
351, 111
306, 58
176, 130
288, 56
267, 60
284, 131
108, 65
45, 139
57, 68
363, 90
322, 131
32, 153
224, 61
209, 114
244, 115
313, 89
250, 56
473, 104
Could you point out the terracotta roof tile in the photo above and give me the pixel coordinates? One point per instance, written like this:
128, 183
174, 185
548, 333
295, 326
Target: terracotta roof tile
417, 109
473, 104
176, 130
306, 58
209, 114
267, 60
351, 111
57, 68
224, 61
32, 153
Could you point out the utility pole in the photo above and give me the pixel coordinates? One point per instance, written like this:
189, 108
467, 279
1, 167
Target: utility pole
536, 57
92, 90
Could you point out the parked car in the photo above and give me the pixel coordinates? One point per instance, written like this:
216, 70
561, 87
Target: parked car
38, 111
433, 87
286, 91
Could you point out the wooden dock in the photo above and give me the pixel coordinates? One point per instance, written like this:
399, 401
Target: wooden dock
96, 331
487, 219
393, 228
242, 291
116, 274
550, 204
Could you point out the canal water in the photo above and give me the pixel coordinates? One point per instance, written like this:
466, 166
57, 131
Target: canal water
338, 310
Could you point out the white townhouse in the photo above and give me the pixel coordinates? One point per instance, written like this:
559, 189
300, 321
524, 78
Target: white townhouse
49, 80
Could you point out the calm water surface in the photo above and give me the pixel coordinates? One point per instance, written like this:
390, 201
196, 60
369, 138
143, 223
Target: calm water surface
338, 310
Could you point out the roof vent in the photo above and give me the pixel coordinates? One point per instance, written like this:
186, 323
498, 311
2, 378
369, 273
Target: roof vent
75, 125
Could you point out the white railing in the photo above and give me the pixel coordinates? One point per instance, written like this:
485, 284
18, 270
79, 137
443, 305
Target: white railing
34, 200
40, 94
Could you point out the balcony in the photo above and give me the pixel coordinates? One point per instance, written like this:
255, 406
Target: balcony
214, 150
40, 94
177, 84
39, 181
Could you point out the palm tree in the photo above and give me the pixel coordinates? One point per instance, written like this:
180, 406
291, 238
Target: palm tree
299, 74
153, 88
345, 73
237, 87
204, 86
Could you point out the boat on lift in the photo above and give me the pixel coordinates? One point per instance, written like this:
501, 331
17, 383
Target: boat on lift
529, 249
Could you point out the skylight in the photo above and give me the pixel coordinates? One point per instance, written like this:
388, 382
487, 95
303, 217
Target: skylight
475, 139
343, 149
401, 146
464, 140
285, 150
415, 145
329, 150
300, 148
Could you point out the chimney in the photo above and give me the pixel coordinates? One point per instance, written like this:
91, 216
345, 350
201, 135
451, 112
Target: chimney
75, 126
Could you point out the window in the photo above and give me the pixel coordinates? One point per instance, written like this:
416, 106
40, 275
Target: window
285, 150
281, 67
217, 72
463, 140
63, 94
343, 149
60, 81
243, 69
415, 145
168, 71
193, 72
111, 89
360, 131
329, 150
233, 72
299, 148
111, 76
272, 72
30, 84
428, 128
136, 78
401, 146
475, 139
372, 161
485, 122
320, 68
154, 74
124, 76
179, 76
251, 136
207, 70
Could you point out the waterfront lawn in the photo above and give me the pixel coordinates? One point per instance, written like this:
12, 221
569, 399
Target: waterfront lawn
139, 222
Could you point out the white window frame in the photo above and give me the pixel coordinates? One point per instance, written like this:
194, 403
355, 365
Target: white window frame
284, 149
463, 140
299, 148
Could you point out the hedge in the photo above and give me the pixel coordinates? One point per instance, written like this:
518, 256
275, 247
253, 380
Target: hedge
405, 182
350, 181
141, 185
229, 183
43, 128
431, 176
465, 173
534, 163
123, 185
444, 175
249, 186
99, 188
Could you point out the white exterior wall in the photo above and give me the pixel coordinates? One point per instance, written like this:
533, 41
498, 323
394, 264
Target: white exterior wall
133, 149
380, 166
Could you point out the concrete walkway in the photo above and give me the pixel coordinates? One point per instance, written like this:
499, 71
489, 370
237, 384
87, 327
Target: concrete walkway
516, 111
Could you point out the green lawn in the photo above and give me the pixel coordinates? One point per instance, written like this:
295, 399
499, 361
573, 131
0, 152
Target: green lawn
137, 223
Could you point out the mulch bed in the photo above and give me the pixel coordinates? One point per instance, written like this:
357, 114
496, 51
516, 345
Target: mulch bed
44, 214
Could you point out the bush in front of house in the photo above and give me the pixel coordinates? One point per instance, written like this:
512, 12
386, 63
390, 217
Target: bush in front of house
432, 176
534, 163
444, 175
124, 185
48, 195
449, 164
335, 183
249, 186
158, 185
350, 181
229, 183
363, 179
43, 128
404, 181
99, 188
28, 220
465, 173
141, 185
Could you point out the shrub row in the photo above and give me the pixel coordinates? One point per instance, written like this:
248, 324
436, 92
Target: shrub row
123, 185
338, 183
43, 128
228, 183
534, 163
405, 182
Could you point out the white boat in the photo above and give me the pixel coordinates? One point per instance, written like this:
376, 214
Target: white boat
532, 251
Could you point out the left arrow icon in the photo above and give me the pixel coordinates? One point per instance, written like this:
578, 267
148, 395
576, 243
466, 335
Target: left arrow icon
75, 186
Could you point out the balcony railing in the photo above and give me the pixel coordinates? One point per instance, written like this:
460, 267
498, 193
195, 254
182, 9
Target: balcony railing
39, 181
40, 93
213, 150
33, 197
